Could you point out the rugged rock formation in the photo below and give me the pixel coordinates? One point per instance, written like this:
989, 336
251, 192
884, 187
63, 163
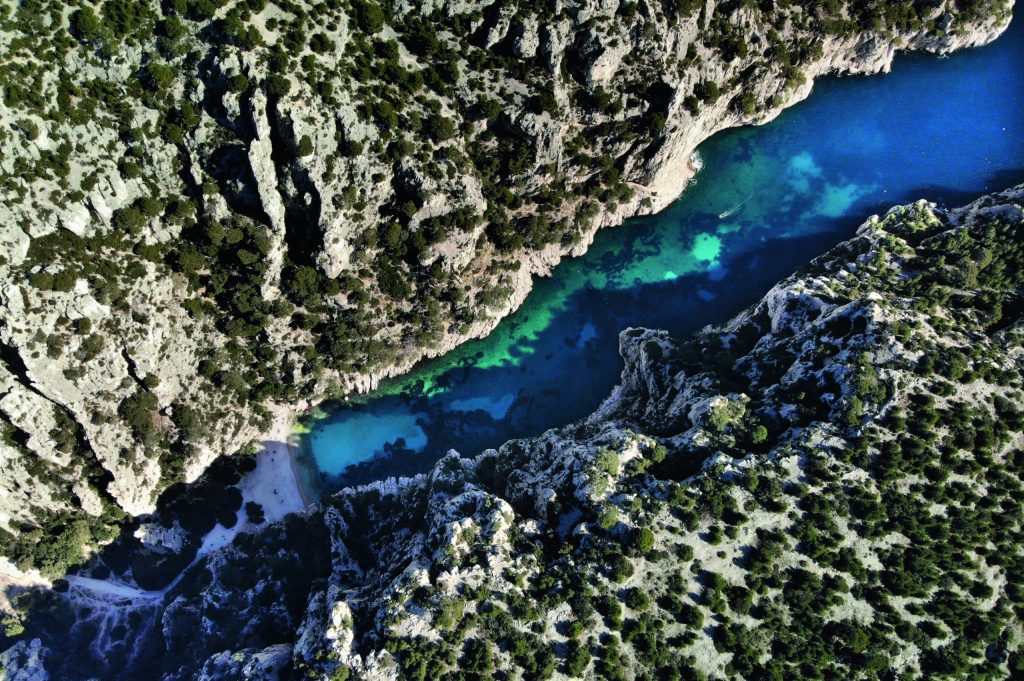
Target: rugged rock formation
209, 206
828, 485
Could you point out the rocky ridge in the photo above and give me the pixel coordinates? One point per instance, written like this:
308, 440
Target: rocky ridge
827, 485
212, 207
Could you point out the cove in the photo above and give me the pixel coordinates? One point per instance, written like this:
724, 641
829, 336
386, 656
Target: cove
767, 200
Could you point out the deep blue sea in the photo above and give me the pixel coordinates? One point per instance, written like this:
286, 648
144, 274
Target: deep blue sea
768, 199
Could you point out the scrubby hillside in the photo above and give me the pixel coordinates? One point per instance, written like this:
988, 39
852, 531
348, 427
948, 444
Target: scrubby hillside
214, 208
828, 486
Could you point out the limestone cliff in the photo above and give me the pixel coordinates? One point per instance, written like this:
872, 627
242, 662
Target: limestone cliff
213, 207
827, 486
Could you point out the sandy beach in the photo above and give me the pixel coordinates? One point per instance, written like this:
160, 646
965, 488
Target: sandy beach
279, 484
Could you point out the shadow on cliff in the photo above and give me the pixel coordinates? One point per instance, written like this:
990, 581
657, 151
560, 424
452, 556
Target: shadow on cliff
152, 550
185, 609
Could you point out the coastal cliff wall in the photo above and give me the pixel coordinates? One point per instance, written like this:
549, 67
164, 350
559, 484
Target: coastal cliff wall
217, 211
828, 483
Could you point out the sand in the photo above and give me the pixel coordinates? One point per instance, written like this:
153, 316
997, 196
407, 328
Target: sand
277, 483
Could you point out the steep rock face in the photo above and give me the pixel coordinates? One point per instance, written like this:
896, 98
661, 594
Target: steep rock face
254, 204
836, 469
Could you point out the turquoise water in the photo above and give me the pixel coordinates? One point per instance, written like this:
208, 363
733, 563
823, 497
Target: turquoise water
767, 200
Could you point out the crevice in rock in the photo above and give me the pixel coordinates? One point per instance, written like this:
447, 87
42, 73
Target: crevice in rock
12, 360
18, 436
133, 370
229, 165
491, 15
303, 236
213, 98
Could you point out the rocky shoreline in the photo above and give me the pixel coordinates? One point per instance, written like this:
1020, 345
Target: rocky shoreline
701, 511
155, 306
669, 179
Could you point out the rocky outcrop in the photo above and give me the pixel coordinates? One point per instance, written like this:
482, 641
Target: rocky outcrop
263, 170
257, 665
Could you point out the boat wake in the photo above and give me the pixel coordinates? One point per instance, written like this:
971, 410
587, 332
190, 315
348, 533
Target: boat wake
732, 211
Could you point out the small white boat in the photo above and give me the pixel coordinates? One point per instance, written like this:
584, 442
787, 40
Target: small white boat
734, 209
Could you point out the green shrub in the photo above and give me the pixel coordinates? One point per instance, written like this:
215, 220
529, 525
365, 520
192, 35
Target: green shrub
160, 76
85, 25
238, 84
638, 600
642, 540
29, 127
277, 85
577, 659
608, 461
129, 219
138, 411
609, 517
369, 15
